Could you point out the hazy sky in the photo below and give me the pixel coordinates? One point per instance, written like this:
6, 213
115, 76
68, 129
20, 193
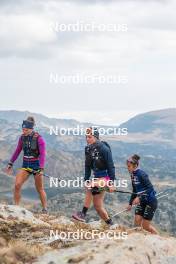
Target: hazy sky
31, 50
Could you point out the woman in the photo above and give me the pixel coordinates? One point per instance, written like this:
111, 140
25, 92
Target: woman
98, 158
33, 146
146, 202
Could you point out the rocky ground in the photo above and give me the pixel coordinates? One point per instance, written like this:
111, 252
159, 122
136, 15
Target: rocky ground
39, 239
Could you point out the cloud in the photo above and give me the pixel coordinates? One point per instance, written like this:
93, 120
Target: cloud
22, 34
31, 49
27, 31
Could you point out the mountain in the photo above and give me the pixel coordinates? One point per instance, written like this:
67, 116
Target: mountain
147, 122
17, 117
157, 126
14, 116
147, 136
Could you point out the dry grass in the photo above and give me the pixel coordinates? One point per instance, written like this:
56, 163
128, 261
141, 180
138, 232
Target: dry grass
20, 241
16, 252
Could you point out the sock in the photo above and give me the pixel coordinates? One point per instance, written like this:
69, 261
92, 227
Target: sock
109, 221
84, 210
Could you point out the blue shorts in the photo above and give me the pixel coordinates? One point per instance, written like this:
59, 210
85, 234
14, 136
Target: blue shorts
34, 165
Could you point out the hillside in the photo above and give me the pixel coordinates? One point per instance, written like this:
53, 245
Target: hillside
154, 126
27, 238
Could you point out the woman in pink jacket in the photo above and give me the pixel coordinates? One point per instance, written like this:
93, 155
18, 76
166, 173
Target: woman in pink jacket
34, 148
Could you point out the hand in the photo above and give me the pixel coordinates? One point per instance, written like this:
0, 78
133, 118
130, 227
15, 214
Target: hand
41, 172
9, 170
136, 201
38, 172
129, 207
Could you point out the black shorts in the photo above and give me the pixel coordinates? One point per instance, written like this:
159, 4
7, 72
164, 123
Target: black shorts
147, 210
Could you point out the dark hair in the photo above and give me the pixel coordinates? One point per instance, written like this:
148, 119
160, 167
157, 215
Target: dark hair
93, 131
31, 119
136, 158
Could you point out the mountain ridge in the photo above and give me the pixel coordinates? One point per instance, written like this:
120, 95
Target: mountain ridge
10, 114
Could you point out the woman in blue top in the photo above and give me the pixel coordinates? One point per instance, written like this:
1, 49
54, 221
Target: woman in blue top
98, 159
145, 199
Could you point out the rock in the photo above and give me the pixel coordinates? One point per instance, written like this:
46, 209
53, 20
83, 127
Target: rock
7, 256
167, 260
137, 248
3, 242
113, 227
63, 220
14, 212
33, 239
95, 224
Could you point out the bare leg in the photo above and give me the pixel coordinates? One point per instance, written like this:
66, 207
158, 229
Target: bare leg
138, 220
99, 205
88, 199
40, 189
146, 224
20, 178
